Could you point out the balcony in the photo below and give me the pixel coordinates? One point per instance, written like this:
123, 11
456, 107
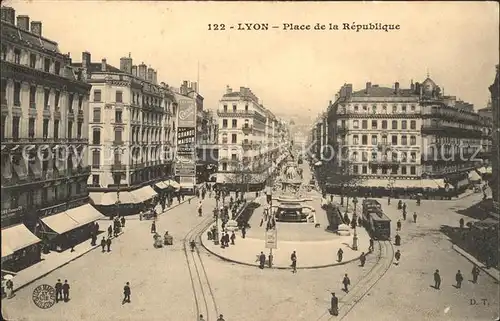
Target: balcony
247, 129
118, 167
384, 162
443, 130
137, 166
118, 143
236, 113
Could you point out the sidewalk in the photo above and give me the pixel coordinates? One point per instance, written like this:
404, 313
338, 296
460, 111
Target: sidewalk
494, 273
55, 260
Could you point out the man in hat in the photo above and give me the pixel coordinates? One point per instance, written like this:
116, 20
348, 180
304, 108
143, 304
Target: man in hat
262, 260
59, 287
126, 293
362, 259
65, 291
346, 281
334, 310
340, 253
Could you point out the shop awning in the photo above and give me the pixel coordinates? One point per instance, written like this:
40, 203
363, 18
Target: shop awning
143, 194
161, 185
85, 214
61, 223
103, 198
16, 238
171, 183
128, 198
406, 183
432, 183
474, 176
375, 183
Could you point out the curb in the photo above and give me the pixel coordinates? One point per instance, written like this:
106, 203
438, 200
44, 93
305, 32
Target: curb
280, 267
90, 249
461, 251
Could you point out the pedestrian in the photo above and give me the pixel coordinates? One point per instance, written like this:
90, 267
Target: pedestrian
370, 248
414, 217
475, 274
397, 240
199, 209
404, 214
126, 293
108, 244
362, 259
339, 255
221, 318
103, 244
110, 230
293, 257
233, 237
94, 239
334, 306
462, 223
262, 260
65, 291
398, 225
243, 231
404, 207
201, 318
389, 200
346, 283
397, 257
153, 227
437, 280
459, 278
59, 287
122, 221
9, 285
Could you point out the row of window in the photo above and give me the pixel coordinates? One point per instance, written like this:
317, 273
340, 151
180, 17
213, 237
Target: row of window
392, 156
34, 94
394, 140
375, 170
234, 108
374, 108
383, 125
16, 126
136, 98
96, 157
153, 136
61, 192
33, 61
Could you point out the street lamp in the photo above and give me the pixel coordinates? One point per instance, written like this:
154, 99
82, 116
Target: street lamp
118, 178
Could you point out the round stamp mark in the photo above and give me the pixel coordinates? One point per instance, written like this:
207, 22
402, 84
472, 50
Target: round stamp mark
44, 296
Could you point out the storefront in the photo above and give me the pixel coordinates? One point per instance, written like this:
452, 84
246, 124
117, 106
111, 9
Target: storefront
70, 227
20, 248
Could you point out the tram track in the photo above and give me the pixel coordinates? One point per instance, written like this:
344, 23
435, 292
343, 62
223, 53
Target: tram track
385, 258
202, 290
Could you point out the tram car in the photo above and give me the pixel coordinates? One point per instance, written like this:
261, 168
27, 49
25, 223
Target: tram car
375, 221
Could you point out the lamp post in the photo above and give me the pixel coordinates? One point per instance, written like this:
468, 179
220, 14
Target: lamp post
355, 241
216, 214
118, 177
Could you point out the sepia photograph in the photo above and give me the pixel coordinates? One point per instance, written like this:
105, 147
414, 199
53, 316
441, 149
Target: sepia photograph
250, 160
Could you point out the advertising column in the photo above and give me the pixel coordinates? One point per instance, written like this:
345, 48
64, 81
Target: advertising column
185, 167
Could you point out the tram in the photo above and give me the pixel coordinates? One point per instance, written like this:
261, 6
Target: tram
375, 221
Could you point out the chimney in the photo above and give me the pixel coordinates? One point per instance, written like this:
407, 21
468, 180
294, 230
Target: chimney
126, 64
150, 74
142, 71
412, 86
103, 65
330, 103
8, 14
23, 22
86, 59
194, 87
368, 86
417, 88
134, 70
396, 87
228, 89
36, 28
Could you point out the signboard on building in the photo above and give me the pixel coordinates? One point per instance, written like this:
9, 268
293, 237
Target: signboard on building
187, 181
187, 113
272, 239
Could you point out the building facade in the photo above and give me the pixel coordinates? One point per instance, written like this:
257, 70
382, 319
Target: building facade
44, 140
495, 105
397, 135
131, 130
207, 148
250, 140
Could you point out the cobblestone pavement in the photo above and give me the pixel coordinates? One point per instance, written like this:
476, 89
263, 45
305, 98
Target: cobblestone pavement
159, 278
405, 293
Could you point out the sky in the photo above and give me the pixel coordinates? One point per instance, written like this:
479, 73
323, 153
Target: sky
292, 72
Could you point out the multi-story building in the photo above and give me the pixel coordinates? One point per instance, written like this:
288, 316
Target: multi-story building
495, 105
44, 142
207, 148
396, 135
131, 130
247, 141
